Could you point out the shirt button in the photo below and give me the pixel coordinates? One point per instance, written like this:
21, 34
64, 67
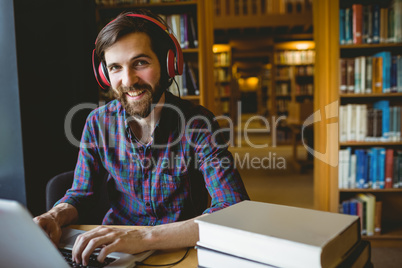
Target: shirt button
148, 204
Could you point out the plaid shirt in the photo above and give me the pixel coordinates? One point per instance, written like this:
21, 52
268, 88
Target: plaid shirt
152, 183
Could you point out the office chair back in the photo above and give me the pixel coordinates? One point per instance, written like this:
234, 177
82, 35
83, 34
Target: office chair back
57, 187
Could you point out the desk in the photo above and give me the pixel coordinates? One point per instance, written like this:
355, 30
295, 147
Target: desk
160, 256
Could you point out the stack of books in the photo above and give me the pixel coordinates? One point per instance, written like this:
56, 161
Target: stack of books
254, 234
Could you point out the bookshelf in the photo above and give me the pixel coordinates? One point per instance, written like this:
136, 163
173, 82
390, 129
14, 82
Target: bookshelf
225, 91
330, 190
197, 78
293, 94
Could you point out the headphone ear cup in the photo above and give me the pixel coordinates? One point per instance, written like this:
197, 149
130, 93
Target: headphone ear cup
170, 64
100, 72
104, 75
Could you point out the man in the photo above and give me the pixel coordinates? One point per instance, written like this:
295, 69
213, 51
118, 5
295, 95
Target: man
154, 146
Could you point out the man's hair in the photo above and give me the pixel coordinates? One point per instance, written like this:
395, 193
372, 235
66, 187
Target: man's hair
124, 24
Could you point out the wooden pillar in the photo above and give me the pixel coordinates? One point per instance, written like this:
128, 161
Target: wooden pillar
326, 87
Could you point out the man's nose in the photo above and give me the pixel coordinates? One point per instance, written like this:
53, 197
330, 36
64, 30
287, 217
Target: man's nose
129, 78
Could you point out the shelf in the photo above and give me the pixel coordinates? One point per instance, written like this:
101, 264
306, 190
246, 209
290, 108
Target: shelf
370, 143
371, 95
380, 45
388, 190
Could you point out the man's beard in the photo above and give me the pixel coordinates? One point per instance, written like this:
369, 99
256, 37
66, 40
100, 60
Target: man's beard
141, 108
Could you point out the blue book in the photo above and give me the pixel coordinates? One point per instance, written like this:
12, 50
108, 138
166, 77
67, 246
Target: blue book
394, 74
342, 38
373, 168
381, 168
360, 168
383, 105
376, 24
345, 207
386, 70
353, 207
349, 26
366, 170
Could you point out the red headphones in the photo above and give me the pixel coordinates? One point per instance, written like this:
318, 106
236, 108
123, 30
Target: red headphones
174, 59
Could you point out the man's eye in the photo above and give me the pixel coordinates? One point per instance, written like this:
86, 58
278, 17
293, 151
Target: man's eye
113, 68
141, 63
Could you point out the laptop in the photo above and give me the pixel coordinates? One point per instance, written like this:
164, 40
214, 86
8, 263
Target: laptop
24, 244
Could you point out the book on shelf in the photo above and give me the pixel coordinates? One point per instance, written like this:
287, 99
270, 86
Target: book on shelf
357, 21
367, 219
251, 229
379, 73
373, 168
377, 123
370, 23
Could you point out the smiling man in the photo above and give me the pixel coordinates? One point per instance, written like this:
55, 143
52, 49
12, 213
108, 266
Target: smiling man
161, 152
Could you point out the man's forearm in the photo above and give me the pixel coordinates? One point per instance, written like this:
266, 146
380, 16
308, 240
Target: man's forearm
172, 235
64, 214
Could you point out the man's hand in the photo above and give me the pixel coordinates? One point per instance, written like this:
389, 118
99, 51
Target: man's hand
49, 224
110, 240
52, 221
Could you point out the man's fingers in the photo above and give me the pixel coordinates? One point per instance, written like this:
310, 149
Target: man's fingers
86, 243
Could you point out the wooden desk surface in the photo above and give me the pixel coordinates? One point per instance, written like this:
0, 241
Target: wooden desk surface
160, 256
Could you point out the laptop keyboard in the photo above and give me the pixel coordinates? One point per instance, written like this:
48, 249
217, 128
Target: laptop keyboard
92, 260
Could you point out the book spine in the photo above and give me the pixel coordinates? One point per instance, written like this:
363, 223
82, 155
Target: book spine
357, 23
350, 75
366, 38
399, 73
376, 24
391, 24
342, 38
394, 74
377, 83
389, 167
377, 218
369, 74
398, 20
381, 168
358, 74
348, 26
343, 75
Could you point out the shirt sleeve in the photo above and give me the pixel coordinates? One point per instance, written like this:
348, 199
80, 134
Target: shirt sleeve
87, 170
216, 163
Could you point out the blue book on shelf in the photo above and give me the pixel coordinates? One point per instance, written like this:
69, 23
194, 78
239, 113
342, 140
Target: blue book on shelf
394, 74
383, 105
372, 167
345, 207
342, 38
360, 168
366, 169
349, 26
381, 168
352, 207
376, 24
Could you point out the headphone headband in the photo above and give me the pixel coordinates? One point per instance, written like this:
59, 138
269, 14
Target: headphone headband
174, 59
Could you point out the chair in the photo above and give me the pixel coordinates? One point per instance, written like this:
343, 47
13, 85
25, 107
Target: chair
57, 187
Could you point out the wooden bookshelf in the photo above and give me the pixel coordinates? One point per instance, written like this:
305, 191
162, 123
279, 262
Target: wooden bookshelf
201, 55
326, 192
225, 89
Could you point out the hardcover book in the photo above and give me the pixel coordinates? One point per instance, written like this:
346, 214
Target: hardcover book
269, 234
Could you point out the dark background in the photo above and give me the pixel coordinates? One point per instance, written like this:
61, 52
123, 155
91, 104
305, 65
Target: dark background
45, 71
